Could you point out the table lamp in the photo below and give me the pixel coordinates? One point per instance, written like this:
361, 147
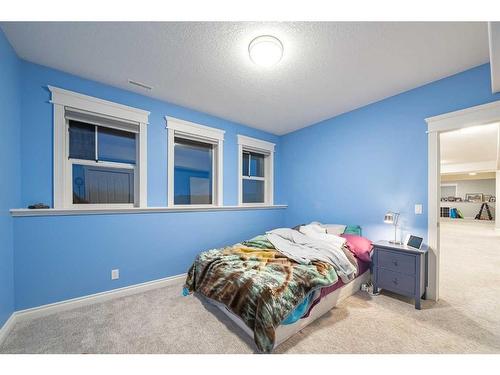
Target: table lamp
392, 218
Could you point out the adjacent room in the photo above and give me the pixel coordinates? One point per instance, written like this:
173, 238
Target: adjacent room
249, 187
469, 159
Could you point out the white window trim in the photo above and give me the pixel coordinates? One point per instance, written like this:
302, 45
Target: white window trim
21, 212
190, 130
61, 99
267, 148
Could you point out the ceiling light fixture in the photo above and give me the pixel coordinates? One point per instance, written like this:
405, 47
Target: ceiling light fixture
472, 173
265, 50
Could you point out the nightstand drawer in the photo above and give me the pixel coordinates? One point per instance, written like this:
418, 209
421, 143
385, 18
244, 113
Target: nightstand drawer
396, 282
396, 262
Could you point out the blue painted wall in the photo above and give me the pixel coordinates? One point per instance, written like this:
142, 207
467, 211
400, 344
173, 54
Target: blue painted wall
356, 166
10, 177
57, 258
65, 257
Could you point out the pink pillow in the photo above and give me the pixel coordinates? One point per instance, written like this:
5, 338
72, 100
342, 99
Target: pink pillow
359, 246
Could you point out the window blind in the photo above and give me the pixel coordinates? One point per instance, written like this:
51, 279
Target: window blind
101, 120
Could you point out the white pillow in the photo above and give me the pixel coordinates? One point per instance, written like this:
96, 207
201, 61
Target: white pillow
315, 227
336, 229
313, 231
317, 232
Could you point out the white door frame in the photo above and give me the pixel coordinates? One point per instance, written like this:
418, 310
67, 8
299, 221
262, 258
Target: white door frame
473, 116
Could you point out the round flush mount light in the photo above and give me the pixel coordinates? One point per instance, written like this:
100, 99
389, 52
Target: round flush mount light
265, 50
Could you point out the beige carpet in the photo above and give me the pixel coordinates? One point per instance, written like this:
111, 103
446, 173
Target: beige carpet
465, 320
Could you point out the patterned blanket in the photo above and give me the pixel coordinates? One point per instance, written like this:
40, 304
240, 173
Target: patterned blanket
257, 283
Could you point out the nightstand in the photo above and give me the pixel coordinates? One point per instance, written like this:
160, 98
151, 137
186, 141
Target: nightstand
400, 269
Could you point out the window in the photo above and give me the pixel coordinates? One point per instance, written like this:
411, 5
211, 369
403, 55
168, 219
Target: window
102, 164
194, 164
99, 153
192, 172
253, 178
255, 171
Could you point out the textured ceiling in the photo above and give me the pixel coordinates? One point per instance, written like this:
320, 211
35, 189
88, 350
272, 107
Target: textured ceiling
327, 68
458, 147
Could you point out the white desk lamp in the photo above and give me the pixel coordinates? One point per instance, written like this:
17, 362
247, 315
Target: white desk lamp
392, 218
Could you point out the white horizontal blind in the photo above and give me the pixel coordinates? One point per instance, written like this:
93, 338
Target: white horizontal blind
256, 150
197, 138
101, 120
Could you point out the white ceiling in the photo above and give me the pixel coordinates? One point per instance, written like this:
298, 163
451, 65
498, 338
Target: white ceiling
327, 69
469, 145
494, 39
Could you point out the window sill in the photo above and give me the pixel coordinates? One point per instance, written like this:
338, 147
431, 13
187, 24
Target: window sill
19, 212
251, 205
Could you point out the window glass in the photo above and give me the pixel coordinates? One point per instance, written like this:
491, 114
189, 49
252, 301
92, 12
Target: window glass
256, 165
81, 140
112, 145
253, 164
116, 145
193, 172
95, 184
253, 191
246, 163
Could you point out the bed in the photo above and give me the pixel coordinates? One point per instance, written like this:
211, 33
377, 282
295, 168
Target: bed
339, 292
269, 295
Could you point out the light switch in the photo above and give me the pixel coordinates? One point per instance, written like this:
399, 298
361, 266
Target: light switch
418, 209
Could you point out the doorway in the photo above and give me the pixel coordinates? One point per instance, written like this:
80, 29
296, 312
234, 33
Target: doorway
471, 119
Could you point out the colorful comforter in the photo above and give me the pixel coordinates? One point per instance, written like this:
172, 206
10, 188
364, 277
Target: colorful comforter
257, 283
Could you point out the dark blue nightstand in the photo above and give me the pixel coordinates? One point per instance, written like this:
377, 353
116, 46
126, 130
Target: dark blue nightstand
400, 269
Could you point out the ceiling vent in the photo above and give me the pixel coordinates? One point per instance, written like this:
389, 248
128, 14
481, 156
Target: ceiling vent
140, 84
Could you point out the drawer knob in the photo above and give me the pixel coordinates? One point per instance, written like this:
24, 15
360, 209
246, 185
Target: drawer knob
395, 281
395, 262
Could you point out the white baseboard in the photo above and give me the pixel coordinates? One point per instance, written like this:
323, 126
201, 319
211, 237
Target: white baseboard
7, 327
44, 310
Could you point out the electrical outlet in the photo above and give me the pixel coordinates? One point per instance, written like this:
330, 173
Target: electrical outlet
115, 274
418, 209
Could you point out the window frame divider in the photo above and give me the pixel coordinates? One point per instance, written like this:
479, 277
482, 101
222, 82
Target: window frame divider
102, 163
254, 178
96, 141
